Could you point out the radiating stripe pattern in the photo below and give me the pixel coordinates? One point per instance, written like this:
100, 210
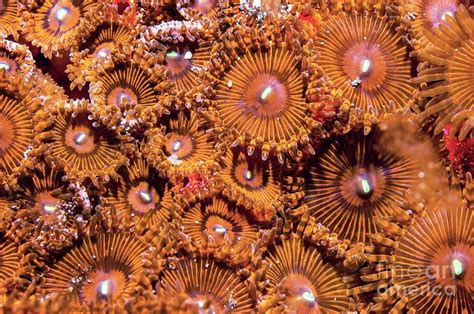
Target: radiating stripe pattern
311, 285
98, 148
352, 181
434, 265
366, 59
241, 92
208, 280
99, 267
16, 128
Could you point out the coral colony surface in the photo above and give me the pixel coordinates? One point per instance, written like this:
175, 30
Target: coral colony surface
226, 156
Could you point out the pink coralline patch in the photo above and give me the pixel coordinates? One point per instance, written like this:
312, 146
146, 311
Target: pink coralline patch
461, 153
123, 2
194, 183
334, 115
328, 111
306, 17
122, 5
310, 20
